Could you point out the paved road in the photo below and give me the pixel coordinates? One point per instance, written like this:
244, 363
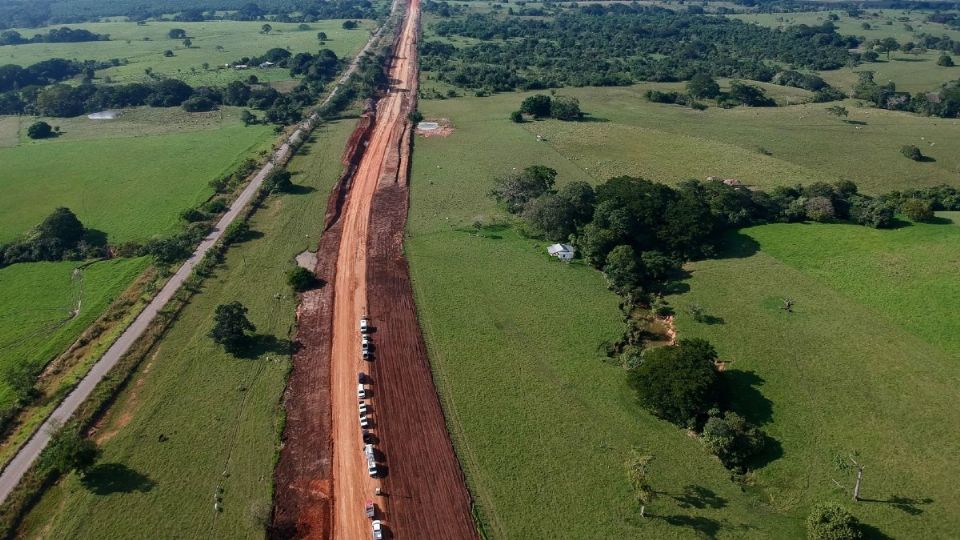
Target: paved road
19, 465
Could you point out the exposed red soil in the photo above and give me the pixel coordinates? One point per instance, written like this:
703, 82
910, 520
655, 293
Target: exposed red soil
321, 479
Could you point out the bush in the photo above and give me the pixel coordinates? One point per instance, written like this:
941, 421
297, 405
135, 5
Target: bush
945, 60
917, 210
732, 439
215, 206
912, 152
565, 108
516, 117
199, 104
537, 106
277, 181
678, 383
832, 522
300, 279
236, 232
192, 215
415, 117
39, 130
820, 209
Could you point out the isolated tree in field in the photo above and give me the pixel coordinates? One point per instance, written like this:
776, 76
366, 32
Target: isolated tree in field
537, 106
838, 111
912, 152
39, 130
349, 25
888, 45
945, 60
177, 33
516, 117
850, 466
917, 209
565, 108
832, 522
679, 382
265, 29
230, 326
300, 279
168, 53
702, 86
69, 451
515, 190
638, 476
322, 36
188, 43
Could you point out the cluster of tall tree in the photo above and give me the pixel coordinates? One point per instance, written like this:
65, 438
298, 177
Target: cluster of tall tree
620, 44
56, 35
22, 90
59, 236
944, 103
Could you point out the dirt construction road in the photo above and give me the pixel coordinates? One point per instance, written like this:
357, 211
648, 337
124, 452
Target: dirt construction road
322, 482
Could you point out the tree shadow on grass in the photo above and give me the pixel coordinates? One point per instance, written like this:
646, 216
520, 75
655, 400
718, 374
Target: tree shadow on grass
927, 159
856, 122
261, 344
742, 394
872, 533
107, 478
694, 496
300, 189
95, 237
737, 245
939, 220
587, 118
704, 526
907, 505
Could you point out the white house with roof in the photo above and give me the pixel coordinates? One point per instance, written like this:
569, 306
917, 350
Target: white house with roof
564, 252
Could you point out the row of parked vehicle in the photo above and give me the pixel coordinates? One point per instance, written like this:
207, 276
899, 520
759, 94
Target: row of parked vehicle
369, 452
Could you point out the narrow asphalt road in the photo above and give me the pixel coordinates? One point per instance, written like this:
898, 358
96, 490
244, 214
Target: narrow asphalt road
29, 453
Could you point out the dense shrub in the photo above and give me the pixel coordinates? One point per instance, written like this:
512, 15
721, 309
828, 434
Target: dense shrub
912, 152
678, 383
301, 279
732, 439
39, 130
832, 522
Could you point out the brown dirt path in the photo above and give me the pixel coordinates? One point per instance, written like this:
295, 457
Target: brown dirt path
361, 258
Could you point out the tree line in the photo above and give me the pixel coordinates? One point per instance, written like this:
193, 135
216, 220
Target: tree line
56, 35
621, 44
944, 103
23, 93
33, 13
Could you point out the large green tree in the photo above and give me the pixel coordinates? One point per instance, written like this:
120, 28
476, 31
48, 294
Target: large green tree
678, 383
230, 326
829, 521
516, 189
702, 86
537, 106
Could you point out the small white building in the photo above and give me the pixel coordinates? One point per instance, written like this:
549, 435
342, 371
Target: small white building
564, 252
266, 65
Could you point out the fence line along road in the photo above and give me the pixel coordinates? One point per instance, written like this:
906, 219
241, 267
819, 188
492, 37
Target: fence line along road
29, 453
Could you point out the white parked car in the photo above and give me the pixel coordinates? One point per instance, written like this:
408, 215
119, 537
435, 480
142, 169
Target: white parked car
364, 422
377, 530
365, 343
364, 325
361, 391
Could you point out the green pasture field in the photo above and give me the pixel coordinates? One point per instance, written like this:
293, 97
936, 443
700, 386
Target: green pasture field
37, 301
909, 72
128, 177
763, 147
237, 39
219, 413
503, 319
866, 362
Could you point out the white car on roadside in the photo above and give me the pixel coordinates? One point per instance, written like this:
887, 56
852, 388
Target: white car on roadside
377, 530
364, 325
365, 343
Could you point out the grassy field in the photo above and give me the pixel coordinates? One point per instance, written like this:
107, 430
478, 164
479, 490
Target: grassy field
867, 362
910, 72
37, 302
764, 147
129, 180
220, 413
503, 319
214, 42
